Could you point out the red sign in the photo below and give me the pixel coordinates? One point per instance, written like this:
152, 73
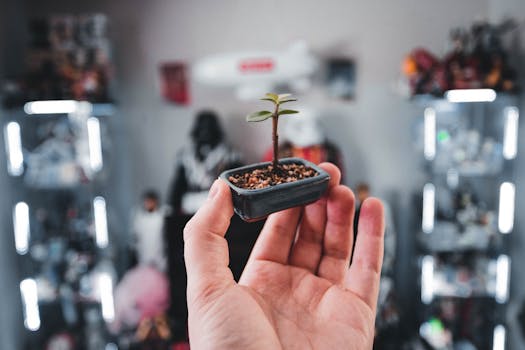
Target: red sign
175, 84
256, 65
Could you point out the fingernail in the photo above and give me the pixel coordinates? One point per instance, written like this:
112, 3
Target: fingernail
214, 189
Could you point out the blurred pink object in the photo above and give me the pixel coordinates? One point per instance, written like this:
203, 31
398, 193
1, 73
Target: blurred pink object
181, 346
143, 292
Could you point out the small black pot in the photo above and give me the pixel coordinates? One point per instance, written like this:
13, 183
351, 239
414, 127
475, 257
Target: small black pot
254, 205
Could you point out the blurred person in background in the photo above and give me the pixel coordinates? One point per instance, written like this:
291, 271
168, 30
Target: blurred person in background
147, 226
199, 163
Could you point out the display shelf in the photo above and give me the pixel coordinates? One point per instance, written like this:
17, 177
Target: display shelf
451, 237
467, 212
58, 156
465, 275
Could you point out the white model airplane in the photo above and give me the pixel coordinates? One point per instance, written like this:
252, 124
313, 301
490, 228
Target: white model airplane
253, 74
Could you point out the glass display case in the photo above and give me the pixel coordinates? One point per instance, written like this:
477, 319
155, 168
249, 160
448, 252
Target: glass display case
467, 148
57, 155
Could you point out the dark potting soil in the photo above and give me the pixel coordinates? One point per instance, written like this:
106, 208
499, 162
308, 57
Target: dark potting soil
265, 177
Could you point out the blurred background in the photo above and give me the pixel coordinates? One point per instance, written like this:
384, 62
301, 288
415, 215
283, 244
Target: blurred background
116, 116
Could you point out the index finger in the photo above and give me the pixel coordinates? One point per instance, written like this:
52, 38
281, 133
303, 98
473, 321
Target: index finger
205, 248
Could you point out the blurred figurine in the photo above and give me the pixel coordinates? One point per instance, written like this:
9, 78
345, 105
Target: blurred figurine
53, 163
425, 73
304, 138
478, 60
69, 57
61, 341
460, 67
147, 228
491, 56
199, 163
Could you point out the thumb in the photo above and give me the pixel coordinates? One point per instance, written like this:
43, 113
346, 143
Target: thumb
205, 248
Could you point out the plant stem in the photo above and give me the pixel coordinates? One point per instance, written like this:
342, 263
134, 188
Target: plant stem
275, 120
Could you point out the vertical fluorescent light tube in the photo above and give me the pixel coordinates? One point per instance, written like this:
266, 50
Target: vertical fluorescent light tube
51, 107
502, 278
13, 146
429, 197
427, 279
106, 297
471, 95
510, 133
429, 149
28, 289
21, 227
506, 207
101, 222
498, 342
95, 144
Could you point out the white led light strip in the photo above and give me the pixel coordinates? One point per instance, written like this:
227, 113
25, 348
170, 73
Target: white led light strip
427, 279
28, 289
106, 297
502, 279
429, 198
51, 107
471, 95
21, 227
101, 222
510, 133
506, 207
13, 146
95, 144
498, 342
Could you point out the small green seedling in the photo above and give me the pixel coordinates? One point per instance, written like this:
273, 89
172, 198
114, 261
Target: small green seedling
259, 116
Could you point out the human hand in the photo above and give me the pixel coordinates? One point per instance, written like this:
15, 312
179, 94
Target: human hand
296, 291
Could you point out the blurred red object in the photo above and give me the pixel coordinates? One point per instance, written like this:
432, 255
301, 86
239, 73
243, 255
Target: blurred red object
424, 59
181, 346
175, 82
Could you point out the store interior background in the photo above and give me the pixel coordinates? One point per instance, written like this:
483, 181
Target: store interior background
373, 131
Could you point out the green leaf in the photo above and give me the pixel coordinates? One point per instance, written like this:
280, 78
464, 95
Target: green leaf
259, 116
273, 97
283, 98
291, 99
288, 111
268, 99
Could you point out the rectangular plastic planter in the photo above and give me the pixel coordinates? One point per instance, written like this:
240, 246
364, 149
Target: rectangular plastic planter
254, 205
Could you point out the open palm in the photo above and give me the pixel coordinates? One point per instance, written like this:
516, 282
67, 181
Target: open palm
296, 291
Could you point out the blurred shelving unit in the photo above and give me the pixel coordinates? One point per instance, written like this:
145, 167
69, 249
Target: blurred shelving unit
57, 159
468, 141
